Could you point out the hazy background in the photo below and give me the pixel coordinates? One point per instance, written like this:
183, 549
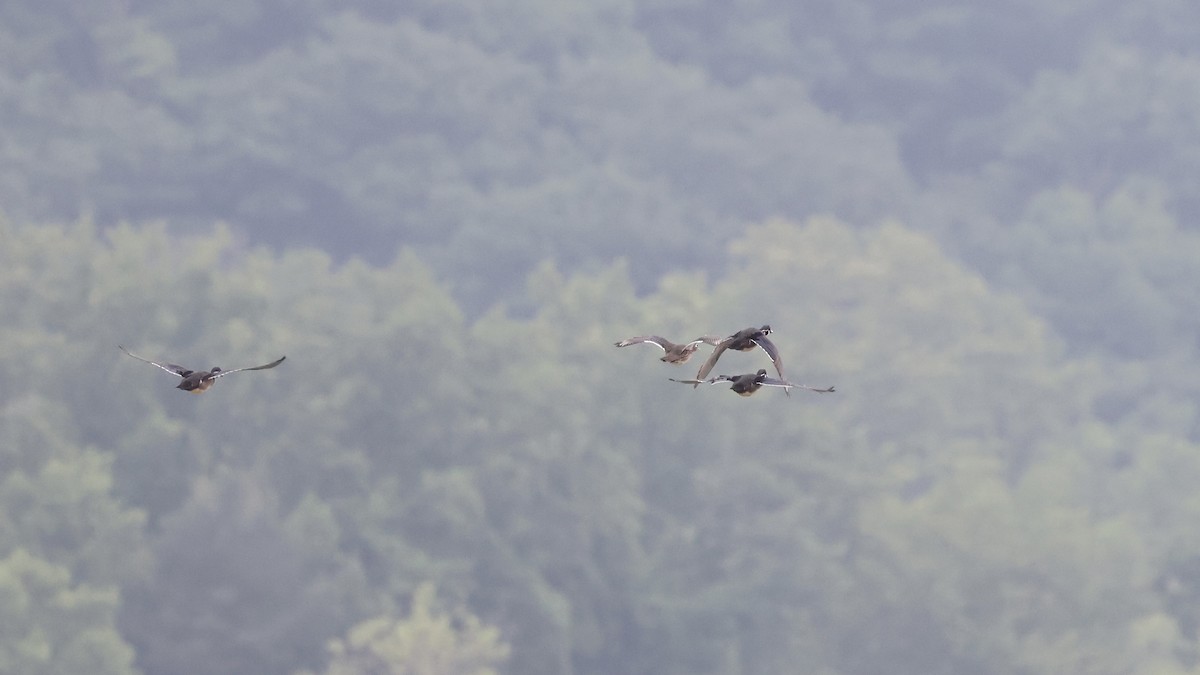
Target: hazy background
977, 220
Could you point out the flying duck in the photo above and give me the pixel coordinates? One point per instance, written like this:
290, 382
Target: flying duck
747, 384
672, 353
198, 381
743, 341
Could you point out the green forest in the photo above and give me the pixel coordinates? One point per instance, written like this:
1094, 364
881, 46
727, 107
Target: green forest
976, 220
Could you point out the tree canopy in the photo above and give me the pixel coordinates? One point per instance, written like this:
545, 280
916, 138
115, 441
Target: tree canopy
971, 488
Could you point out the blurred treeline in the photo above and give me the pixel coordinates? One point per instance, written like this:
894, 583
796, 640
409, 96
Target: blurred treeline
977, 221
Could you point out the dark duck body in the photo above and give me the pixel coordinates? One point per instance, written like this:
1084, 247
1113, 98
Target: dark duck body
748, 383
743, 341
198, 381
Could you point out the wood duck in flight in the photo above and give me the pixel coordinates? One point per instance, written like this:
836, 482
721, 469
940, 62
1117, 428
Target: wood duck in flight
672, 353
743, 341
747, 384
198, 381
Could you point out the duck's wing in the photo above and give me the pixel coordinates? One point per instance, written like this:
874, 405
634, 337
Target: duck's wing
272, 364
171, 368
775, 382
712, 360
662, 343
773, 352
711, 380
707, 339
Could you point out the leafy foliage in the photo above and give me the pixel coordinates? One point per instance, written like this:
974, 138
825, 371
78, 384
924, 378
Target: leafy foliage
428, 642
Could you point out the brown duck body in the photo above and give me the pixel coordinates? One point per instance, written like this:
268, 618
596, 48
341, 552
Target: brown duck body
672, 352
198, 382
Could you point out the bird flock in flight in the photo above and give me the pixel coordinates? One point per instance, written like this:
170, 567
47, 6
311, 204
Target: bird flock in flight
744, 340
